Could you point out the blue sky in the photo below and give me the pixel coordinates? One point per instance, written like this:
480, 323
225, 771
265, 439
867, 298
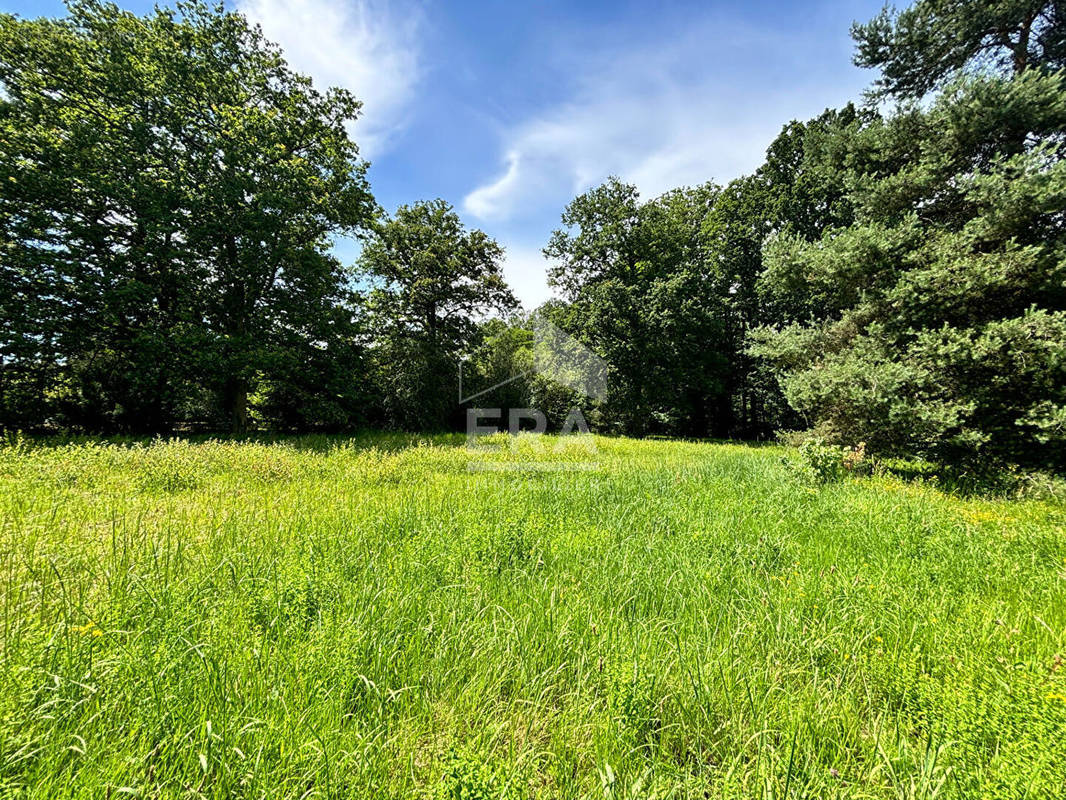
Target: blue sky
508, 108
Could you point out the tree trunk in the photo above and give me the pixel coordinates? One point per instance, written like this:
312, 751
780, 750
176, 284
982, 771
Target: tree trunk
236, 327
237, 405
1021, 48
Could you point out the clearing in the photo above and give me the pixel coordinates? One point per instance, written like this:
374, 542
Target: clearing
368, 617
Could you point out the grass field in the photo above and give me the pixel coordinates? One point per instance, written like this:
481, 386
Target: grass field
369, 618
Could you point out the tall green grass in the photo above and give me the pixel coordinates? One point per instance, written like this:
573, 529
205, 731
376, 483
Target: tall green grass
369, 618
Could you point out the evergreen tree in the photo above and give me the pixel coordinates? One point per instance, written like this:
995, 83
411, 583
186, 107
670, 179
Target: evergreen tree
939, 316
933, 42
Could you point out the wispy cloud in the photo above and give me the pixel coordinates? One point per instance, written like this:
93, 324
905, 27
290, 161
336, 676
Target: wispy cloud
659, 116
525, 269
495, 197
366, 46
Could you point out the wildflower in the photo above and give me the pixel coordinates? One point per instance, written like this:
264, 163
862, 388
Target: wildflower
1057, 696
878, 639
88, 629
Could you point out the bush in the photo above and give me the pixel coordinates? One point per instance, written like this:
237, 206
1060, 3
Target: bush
827, 463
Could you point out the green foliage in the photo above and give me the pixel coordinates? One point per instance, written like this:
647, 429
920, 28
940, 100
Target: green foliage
827, 463
468, 778
798, 192
635, 706
434, 280
940, 332
168, 187
366, 617
499, 370
639, 298
928, 44
169, 192
666, 290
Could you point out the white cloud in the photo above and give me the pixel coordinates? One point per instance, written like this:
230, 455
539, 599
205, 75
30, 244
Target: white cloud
660, 117
525, 269
484, 201
365, 46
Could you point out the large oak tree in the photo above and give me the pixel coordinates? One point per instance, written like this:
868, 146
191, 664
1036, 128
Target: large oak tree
169, 190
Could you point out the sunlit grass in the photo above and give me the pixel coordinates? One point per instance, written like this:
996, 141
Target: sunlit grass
370, 618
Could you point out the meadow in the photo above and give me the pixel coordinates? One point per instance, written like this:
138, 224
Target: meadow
367, 617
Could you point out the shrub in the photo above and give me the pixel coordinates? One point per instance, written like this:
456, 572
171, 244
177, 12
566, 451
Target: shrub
827, 463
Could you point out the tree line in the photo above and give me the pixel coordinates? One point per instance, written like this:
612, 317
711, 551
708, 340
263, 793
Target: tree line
894, 273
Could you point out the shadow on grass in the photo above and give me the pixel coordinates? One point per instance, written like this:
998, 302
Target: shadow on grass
992, 481
389, 441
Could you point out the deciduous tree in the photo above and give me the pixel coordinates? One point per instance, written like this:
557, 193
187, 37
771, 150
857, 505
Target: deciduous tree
434, 281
